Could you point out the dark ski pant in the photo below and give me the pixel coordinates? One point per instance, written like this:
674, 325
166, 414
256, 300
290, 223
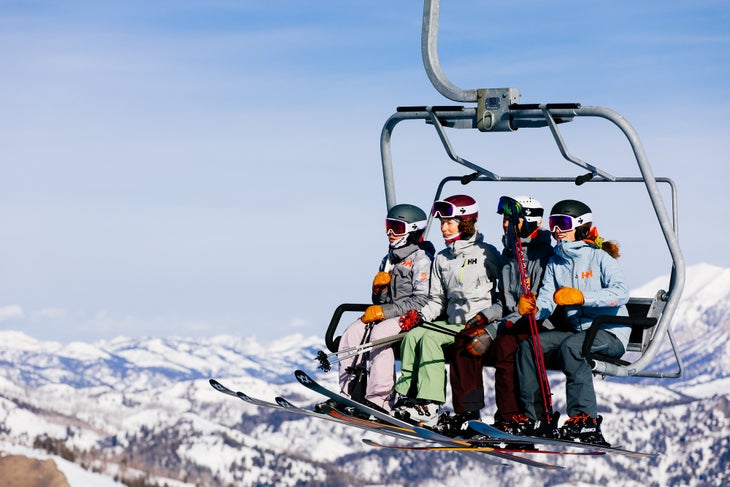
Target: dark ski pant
564, 349
466, 380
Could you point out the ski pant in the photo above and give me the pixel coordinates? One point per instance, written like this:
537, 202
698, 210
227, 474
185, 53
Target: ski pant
423, 365
466, 378
381, 375
565, 350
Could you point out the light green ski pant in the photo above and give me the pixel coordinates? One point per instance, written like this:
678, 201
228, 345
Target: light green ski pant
422, 360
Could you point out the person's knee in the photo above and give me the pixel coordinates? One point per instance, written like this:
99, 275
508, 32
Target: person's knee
571, 349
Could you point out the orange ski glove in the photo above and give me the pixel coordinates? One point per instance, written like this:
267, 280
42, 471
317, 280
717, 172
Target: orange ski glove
380, 282
373, 313
568, 296
526, 305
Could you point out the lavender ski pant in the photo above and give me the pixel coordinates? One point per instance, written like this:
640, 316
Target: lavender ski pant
381, 377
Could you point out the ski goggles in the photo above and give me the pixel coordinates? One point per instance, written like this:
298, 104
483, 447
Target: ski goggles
446, 209
566, 223
401, 227
507, 205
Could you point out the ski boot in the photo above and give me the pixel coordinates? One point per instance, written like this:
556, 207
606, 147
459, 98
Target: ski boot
328, 404
583, 428
518, 424
456, 424
418, 411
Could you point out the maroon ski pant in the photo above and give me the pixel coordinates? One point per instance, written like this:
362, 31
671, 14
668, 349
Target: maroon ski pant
465, 376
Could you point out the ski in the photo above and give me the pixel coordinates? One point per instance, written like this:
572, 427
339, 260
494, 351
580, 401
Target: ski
425, 434
497, 434
474, 447
258, 402
407, 433
284, 405
363, 424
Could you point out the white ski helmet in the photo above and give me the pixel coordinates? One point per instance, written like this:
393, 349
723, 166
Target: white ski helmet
532, 210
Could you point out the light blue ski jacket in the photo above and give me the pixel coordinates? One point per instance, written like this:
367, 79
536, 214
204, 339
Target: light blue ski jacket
597, 275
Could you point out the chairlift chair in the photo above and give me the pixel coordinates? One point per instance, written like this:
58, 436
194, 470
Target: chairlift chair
499, 110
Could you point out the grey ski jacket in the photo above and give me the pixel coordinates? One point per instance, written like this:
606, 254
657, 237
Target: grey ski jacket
410, 271
464, 282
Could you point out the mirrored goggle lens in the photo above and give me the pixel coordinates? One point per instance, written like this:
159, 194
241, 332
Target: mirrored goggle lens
563, 222
508, 205
443, 209
398, 227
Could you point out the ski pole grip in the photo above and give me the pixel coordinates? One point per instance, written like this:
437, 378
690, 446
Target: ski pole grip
330, 340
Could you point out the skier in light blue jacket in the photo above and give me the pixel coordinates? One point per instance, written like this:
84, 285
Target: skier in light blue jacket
585, 278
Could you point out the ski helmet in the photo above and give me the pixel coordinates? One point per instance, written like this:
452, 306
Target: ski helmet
567, 215
531, 210
406, 220
462, 208
459, 206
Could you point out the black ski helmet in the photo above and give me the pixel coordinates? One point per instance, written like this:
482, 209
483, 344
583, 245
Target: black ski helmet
414, 217
580, 212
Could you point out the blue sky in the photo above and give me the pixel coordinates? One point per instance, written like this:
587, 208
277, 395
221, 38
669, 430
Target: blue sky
194, 168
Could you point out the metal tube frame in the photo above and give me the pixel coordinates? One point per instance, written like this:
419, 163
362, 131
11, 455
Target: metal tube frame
535, 116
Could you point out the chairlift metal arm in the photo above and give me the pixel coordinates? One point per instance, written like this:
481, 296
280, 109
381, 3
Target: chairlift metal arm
450, 151
564, 149
429, 52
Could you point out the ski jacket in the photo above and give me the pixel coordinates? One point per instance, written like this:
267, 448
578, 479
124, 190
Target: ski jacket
538, 251
597, 275
464, 282
410, 271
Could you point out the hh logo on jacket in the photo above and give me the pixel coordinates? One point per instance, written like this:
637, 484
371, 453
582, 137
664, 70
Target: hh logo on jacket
586, 275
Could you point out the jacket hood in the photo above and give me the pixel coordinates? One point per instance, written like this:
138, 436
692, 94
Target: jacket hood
458, 246
399, 254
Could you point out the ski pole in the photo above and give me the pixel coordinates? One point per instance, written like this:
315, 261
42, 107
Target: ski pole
369, 347
324, 359
325, 363
534, 332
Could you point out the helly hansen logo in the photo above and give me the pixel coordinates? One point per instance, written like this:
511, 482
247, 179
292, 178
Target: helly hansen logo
586, 275
471, 261
407, 263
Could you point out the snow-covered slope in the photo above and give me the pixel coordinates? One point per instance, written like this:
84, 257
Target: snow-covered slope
142, 408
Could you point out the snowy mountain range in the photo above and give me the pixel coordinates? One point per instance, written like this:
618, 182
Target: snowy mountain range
141, 411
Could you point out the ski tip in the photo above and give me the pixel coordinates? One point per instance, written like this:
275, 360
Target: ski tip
243, 396
283, 402
302, 377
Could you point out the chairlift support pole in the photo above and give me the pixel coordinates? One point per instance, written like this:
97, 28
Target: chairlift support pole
499, 110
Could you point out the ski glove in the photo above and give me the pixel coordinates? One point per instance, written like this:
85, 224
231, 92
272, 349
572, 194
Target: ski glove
380, 282
479, 321
567, 296
373, 313
526, 305
410, 320
480, 342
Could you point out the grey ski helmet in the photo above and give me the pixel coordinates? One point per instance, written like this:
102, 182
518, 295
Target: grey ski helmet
406, 219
